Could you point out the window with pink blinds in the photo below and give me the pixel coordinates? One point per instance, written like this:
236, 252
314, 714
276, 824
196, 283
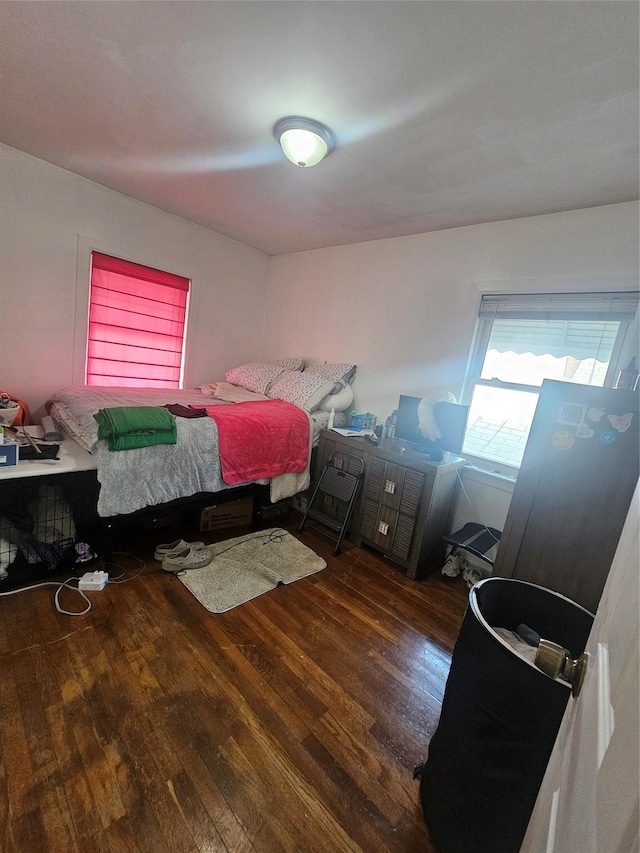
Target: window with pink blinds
136, 325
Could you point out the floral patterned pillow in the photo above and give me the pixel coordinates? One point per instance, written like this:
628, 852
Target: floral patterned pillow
304, 390
289, 363
254, 376
340, 374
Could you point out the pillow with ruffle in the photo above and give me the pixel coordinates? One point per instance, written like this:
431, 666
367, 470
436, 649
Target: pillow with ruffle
340, 374
303, 390
289, 363
339, 401
254, 376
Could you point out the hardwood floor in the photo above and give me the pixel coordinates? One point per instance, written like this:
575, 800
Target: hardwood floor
291, 723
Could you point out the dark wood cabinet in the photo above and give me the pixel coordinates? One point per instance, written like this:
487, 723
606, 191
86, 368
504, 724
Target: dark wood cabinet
573, 492
406, 503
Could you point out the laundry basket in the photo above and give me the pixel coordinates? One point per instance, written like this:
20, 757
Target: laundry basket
499, 720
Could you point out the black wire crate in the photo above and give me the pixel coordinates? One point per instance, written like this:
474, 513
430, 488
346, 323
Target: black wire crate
46, 525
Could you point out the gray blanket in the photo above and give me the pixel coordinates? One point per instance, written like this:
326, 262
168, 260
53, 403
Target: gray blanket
148, 476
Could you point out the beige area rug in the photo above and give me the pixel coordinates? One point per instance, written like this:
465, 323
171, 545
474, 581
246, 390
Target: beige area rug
243, 568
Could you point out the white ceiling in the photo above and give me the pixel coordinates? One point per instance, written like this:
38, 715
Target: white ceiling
446, 113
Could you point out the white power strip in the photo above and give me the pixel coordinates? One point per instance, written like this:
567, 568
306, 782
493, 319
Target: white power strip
93, 580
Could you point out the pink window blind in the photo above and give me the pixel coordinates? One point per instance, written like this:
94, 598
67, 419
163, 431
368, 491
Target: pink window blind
136, 325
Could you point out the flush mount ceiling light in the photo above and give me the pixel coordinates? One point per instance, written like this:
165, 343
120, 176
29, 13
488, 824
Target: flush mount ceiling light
304, 141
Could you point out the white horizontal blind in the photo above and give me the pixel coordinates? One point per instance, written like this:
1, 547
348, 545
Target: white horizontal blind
560, 306
578, 325
555, 337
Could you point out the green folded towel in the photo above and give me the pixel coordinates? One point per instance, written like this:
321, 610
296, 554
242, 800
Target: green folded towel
129, 427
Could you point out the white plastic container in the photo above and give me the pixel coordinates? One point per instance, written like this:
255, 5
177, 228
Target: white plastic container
8, 413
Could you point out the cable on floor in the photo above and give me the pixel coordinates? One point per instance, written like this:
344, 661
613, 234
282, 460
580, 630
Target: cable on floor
56, 598
67, 583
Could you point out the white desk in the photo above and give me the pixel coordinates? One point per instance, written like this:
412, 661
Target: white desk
73, 458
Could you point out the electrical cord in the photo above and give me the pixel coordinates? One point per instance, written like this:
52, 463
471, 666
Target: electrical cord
472, 505
56, 598
67, 583
276, 535
121, 577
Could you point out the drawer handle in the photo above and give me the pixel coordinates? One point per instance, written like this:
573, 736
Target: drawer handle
383, 528
390, 487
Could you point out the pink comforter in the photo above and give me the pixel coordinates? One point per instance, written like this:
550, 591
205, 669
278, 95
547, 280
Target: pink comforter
260, 440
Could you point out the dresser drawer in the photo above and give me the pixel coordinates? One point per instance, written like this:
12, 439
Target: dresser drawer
387, 530
394, 486
390, 509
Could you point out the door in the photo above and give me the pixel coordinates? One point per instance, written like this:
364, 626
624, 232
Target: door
589, 799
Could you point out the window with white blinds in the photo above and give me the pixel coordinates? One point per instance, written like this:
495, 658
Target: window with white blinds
522, 339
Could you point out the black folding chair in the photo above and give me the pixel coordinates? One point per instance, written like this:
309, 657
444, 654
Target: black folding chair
339, 484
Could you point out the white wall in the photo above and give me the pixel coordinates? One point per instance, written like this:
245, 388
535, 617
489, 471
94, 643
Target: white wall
482, 497
44, 211
404, 309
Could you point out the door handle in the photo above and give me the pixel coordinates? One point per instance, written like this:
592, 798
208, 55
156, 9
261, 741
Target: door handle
556, 662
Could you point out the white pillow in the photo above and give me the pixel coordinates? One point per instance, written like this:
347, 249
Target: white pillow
340, 401
254, 376
303, 390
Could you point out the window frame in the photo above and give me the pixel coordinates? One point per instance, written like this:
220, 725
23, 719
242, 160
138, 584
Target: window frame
620, 354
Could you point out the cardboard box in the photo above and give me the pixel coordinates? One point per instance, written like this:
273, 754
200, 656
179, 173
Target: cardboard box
230, 514
9, 454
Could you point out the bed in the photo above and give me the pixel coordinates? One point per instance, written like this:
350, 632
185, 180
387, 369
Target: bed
134, 479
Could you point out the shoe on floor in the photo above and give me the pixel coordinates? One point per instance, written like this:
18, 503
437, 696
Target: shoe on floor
173, 548
454, 564
187, 559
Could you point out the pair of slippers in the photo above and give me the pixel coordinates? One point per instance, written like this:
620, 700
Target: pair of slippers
180, 556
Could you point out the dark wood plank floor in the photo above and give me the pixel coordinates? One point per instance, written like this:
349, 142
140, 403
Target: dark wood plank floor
291, 723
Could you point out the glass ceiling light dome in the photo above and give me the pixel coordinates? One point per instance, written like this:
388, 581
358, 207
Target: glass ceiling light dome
304, 141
